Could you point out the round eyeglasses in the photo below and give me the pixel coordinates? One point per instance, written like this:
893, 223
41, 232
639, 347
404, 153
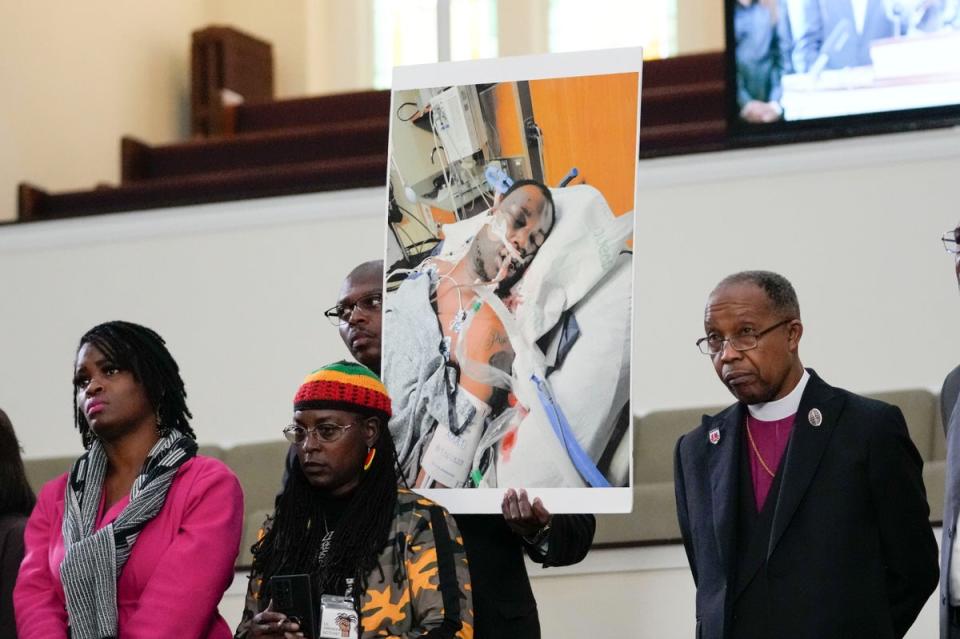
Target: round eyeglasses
713, 344
326, 433
341, 313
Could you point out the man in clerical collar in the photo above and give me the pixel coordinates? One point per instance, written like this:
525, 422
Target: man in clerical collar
802, 507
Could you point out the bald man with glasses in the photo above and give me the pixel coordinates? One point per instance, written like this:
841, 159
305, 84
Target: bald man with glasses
801, 506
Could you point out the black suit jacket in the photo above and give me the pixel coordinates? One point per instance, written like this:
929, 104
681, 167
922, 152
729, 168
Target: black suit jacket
503, 603
851, 551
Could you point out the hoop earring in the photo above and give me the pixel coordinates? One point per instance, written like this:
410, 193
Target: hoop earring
371, 453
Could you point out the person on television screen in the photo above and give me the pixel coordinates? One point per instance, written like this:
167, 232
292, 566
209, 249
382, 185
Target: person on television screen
835, 34
802, 506
763, 56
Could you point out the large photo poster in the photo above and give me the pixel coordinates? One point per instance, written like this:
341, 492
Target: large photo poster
509, 278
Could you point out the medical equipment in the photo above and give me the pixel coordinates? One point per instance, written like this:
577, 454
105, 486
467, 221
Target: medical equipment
457, 120
569, 177
497, 178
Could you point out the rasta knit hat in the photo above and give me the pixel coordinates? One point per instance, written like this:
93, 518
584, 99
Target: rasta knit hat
344, 386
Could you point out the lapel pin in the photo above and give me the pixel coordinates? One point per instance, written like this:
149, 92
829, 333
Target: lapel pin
815, 417
715, 436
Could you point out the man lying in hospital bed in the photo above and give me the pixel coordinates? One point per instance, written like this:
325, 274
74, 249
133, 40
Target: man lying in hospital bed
509, 351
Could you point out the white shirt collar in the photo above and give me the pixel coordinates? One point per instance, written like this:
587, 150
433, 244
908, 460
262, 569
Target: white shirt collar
783, 407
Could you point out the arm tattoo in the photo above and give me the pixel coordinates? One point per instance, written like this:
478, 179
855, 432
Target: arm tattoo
497, 340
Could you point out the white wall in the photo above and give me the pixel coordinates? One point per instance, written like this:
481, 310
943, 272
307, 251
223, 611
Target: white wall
699, 26
238, 288
78, 76
854, 224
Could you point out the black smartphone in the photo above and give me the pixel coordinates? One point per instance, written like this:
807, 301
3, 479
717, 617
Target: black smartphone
293, 596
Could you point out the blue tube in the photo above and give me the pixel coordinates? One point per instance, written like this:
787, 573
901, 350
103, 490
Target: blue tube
569, 177
561, 428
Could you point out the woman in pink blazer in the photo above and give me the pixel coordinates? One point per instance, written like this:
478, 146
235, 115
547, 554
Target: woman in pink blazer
139, 539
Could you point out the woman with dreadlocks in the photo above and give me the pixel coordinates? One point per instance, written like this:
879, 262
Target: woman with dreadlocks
140, 537
367, 546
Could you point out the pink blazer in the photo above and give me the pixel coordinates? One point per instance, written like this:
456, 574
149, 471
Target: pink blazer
177, 572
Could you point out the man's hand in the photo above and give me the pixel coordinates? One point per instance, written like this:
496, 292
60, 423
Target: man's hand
760, 112
523, 518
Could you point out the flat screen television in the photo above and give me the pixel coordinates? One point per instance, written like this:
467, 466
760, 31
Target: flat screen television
805, 69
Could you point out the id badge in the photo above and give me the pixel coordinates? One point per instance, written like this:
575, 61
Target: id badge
338, 619
449, 457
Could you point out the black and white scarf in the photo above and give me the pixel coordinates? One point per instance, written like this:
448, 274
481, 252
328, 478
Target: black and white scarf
94, 558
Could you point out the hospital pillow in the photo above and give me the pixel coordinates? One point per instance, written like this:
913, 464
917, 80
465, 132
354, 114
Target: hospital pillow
580, 250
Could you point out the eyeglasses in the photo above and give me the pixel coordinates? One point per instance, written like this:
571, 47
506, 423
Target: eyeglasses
951, 241
713, 344
341, 313
326, 432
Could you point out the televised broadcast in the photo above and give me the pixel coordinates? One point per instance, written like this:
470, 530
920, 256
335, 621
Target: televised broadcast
811, 59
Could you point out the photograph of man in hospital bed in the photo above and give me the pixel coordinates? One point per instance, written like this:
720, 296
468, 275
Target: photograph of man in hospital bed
507, 316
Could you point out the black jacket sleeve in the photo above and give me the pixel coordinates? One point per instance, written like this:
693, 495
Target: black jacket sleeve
569, 540
682, 517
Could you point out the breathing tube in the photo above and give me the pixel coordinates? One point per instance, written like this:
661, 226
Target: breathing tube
558, 420
528, 357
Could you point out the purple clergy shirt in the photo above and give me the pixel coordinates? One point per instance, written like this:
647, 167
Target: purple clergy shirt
771, 441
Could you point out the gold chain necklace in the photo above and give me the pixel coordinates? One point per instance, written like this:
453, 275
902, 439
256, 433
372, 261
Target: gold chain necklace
756, 451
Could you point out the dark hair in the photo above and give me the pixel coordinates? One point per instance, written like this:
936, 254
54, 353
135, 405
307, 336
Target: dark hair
292, 544
779, 290
373, 268
16, 496
141, 351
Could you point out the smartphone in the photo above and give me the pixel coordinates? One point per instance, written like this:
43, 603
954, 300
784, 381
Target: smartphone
293, 596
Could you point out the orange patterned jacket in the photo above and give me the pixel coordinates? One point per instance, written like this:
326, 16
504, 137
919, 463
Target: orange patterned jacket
421, 587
